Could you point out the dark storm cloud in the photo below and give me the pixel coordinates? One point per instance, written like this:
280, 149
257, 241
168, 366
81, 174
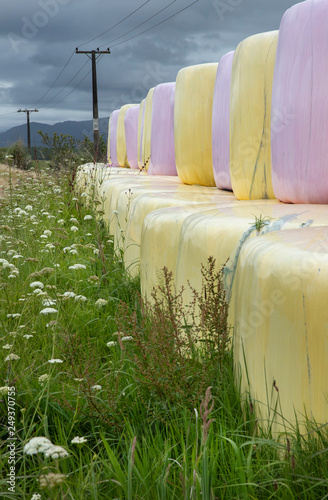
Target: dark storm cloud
38, 36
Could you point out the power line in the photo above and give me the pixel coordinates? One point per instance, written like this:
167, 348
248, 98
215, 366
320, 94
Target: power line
141, 24
51, 86
69, 59
70, 92
114, 25
67, 84
155, 25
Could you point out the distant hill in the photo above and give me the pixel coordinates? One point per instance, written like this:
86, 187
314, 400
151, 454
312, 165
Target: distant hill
76, 129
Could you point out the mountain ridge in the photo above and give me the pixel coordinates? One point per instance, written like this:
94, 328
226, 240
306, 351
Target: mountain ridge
77, 129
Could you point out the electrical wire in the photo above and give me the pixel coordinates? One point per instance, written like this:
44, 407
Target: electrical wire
114, 25
76, 86
51, 86
138, 26
60, 91
155, 25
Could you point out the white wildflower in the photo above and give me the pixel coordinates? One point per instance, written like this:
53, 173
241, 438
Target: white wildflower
115, 212
27, 336
43, 378
14, 315
88, 234
37, 284
55, 452
74, 229
73, 219
4, 390
77, 266
36, 496
29, 208
88, 217
79, 440
48, 302
84, 195
101, 302
12, 357
48, 310
44, 236
128, 337
37, 445
70, 295
54, 361
81, 298
96, 387
38, 291
18, 256
73, 251
66, 249
111, 343
47, 232
60, 221
7, 346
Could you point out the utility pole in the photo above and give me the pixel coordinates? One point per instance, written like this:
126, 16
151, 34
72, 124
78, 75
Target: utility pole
28, 111
93, 54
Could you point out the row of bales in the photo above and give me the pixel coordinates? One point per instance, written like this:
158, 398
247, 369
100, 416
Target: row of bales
255, 123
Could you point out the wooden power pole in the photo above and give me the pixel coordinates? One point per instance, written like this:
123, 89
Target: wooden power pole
28, 111
93, 54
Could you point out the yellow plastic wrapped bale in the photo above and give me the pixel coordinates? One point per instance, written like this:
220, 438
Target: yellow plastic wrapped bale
156, 226
281, 327
117, 193
222, 232
140, 131
121, 143
193, 124
146, 133
180, 196
250, 116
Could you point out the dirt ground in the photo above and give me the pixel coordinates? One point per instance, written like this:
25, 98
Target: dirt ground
7, 173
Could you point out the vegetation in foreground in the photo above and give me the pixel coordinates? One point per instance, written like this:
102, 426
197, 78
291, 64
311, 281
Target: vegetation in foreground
106, 396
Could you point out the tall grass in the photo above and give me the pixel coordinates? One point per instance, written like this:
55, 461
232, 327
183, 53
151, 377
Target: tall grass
147, 388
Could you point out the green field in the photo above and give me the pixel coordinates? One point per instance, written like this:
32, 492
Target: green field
132, 400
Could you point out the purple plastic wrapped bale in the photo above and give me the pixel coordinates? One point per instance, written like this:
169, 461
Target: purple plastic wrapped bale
299, 120
131, 135
221, 123
112, 142
162, 156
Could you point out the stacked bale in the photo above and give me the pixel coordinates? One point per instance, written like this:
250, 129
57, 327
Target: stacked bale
250, 117
300, 102
141, 119
112, 139
121, 140
221, 123
162, 157
146, 133
193, 124
131, 135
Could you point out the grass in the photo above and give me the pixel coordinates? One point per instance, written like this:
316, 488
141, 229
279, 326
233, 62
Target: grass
148, 388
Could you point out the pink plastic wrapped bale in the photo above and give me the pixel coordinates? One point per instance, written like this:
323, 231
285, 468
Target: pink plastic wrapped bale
113, 138
140, 132
299, 120
131, 135
221, 123
162, 156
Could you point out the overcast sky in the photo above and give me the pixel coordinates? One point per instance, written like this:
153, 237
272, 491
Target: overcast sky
37, 38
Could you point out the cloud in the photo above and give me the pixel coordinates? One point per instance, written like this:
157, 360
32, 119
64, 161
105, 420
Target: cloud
37, 38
